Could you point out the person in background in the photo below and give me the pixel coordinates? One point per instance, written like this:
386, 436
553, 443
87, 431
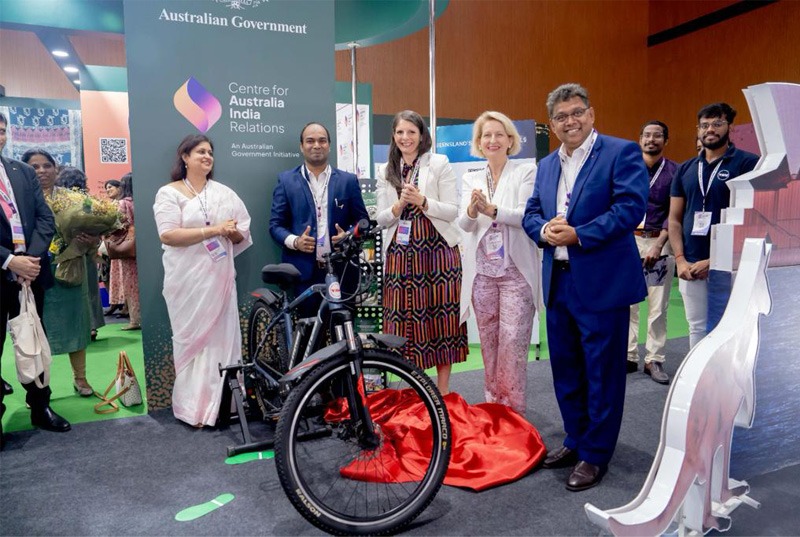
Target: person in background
202, 225
111, 188
67, 314
652, 239
589, 196
26, 229
501, 264
124, 276
699, 193
418, 204
73, 178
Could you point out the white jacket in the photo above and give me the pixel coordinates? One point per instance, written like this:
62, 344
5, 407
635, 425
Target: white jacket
513, 190
437, 182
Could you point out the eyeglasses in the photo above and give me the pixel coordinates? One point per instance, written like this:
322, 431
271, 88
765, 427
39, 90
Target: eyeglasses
653, 136
716, 124
575, 114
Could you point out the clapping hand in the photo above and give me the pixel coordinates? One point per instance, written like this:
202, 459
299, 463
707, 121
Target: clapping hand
411, 194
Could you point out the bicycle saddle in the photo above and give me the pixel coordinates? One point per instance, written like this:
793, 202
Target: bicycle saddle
280, 274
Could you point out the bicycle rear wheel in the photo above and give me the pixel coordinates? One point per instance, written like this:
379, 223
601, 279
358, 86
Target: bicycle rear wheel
267, 350
333, 479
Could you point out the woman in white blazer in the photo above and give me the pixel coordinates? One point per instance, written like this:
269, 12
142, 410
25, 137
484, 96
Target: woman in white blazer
418, 204
501, 264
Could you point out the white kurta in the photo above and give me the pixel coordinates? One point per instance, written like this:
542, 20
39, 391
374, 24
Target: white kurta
201, 299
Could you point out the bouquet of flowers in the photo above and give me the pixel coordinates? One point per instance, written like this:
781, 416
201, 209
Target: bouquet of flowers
75, 213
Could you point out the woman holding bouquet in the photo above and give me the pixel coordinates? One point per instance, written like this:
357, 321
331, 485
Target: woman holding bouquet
202, 225
67, 318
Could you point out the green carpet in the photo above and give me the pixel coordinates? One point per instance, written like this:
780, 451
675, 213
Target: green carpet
101, 364
101, 367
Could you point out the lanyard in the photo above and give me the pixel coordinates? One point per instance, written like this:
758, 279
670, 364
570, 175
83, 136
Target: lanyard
203, 202
318, 198
658, 172
705, 191
412, 178
490, 181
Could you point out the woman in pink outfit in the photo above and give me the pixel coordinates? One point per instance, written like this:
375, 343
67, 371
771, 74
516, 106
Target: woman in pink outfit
501, 264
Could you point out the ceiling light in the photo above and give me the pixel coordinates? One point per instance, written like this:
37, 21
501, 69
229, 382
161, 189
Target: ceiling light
76, 82
71, 69
61, 53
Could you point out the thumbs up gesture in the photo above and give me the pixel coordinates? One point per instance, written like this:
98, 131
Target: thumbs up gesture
305, 242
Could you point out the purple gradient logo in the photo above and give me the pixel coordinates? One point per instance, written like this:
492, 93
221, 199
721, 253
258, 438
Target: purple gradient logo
197, 105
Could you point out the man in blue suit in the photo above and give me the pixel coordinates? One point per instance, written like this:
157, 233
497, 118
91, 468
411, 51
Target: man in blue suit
588, 198
313, 206
26, 229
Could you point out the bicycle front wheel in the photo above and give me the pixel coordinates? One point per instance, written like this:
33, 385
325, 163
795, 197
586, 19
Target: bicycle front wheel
339, 482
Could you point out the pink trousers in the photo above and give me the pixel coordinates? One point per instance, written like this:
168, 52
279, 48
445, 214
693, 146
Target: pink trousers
504, 310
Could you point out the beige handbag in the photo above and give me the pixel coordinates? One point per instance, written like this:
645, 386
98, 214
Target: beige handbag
31, 348
126, 386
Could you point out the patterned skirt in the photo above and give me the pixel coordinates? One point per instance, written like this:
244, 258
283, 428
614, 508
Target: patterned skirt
421, 296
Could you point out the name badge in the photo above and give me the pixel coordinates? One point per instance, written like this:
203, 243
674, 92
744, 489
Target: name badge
702, 223
321, 239
494, 245
403, 232
215, 249
17, 235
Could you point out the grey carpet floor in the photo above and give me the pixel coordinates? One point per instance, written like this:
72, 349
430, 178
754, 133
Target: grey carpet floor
131, 476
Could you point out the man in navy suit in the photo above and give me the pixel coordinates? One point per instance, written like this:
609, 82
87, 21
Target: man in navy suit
588, 198
313, 206
26, 229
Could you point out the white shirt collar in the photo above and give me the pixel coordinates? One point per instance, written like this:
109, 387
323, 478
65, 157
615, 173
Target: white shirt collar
580, 150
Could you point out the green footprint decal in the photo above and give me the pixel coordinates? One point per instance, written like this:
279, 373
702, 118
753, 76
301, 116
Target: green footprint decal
196, 511
247, 457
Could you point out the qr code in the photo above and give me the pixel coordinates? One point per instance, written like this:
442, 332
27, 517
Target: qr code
113, 150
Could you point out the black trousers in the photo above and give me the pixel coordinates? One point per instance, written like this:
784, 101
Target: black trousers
37, 398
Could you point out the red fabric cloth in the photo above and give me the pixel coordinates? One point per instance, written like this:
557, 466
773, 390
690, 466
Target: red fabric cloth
491, 443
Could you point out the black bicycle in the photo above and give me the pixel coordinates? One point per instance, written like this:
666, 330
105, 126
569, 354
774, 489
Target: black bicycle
362, 441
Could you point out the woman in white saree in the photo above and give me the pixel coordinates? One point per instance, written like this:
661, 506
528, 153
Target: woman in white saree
202, 225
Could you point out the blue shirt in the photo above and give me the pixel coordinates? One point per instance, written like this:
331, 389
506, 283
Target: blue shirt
735, 162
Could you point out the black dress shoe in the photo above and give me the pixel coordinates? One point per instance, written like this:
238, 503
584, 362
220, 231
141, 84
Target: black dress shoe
656, 372
585, 476
562, 457
49, 421
7, 388
632, 366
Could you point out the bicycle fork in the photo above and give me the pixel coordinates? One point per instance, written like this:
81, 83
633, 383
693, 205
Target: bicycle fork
363, 426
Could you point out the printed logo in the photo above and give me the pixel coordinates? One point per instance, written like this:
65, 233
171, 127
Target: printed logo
723, 175
241, 4
197, 105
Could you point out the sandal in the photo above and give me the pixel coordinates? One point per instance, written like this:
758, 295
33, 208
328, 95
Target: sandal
94, 334
82, 387
132, 327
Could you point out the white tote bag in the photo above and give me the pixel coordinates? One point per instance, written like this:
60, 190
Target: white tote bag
31, 348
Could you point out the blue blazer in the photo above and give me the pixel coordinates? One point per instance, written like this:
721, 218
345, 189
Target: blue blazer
293, 210
608, 201
38, 222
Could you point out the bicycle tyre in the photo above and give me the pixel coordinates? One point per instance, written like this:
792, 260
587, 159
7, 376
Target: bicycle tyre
311, 450
274, 352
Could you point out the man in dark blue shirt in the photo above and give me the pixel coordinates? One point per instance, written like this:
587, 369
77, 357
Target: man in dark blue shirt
699, 193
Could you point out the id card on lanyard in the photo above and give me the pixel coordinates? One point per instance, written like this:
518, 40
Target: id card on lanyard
213, 246
702, 218
14, 219
403, 235
319, 203
494, 235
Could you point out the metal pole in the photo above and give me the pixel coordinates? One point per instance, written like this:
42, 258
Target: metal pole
432, 70
353, 46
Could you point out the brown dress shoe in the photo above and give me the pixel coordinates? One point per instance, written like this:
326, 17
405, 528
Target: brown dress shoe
656, 372
562, 457
584, 476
